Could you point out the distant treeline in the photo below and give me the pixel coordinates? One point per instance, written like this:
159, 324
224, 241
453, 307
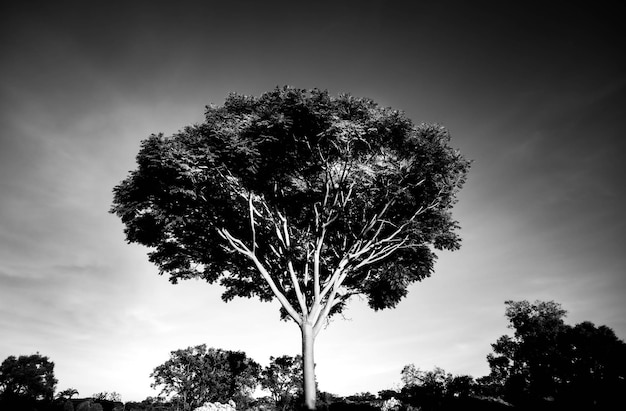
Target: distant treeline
545, 365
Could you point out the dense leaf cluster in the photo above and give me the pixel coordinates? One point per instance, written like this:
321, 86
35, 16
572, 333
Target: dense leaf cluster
283, 379
341, 169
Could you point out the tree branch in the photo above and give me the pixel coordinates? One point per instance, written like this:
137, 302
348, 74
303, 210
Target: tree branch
292, 273
378, 250
240, 247
341, 267
252, 211
316, 264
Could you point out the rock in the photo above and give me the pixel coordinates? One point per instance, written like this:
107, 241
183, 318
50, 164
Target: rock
217, 406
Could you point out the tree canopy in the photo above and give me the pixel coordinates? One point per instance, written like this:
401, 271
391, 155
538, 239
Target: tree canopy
27, 376
298, 182
197, 375
583, 365
283, 379
429, 390
525, 364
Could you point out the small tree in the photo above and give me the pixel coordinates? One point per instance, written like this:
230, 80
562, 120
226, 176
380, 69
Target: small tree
196, 375
27, 377
300, 197
283, 379
67, 393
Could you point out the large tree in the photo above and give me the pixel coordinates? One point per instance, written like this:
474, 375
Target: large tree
300, 197
197, 375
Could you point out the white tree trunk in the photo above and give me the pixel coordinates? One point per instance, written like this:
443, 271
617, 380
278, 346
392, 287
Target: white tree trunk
308, 365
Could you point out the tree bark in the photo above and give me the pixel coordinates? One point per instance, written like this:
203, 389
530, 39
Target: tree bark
308, 365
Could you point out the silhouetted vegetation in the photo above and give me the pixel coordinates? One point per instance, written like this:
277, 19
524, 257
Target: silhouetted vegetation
546, 365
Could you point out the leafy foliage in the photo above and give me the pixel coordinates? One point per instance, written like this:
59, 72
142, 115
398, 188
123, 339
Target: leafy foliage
526, 363
596, 365
431, 389
296, 182
27, 376
283, 379
197, 375
582, 365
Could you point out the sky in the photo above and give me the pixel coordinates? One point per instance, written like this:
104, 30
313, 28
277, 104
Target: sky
533, 92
